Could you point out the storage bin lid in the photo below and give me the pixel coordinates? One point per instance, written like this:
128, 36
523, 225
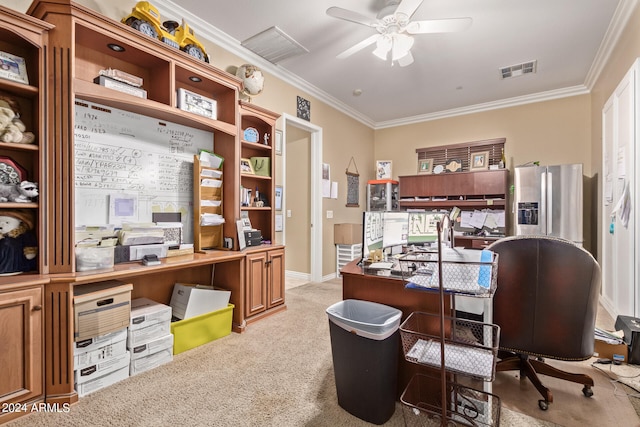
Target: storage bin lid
366, 318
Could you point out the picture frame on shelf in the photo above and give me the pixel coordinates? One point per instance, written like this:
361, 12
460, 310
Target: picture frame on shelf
13, 68
246, 167
383, 169
278, 142
453, 165
479, 161
278, 192
197, 104
425, 166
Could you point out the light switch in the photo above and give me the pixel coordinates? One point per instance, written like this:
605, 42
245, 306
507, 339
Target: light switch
288, 213
329, 214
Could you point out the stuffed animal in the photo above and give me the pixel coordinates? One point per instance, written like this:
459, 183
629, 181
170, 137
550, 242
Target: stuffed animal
18, 244
23, 192
12, 129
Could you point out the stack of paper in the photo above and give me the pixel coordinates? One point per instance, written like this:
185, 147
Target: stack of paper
211, 219
140, 234
609, 337
211, 159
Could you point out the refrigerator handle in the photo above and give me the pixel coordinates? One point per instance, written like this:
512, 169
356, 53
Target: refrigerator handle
543, 202
549, 202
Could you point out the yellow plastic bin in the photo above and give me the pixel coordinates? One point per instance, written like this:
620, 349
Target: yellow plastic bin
198, 330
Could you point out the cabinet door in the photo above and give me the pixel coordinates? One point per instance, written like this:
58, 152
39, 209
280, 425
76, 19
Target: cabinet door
20, 345
256, 286
276, 277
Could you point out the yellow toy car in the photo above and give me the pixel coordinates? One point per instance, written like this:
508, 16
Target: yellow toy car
145, 18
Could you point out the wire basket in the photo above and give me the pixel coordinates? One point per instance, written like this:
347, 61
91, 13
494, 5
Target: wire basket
464, 271
422, 407
470, 347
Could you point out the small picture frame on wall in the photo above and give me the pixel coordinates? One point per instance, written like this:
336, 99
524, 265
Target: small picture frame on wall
425, 165
278, 197
479, 161
278, 142
383, 169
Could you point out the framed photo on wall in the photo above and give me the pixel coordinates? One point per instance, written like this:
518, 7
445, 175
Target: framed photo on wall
425, 165
383, 169
278, 142
278, 197
479, 161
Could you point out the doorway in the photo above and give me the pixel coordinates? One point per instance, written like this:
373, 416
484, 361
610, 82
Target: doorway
311, 135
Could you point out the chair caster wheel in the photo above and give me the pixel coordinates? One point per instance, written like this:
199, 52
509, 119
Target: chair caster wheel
587, 391
543, 404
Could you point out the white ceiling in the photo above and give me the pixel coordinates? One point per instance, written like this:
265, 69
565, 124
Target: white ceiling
452, 73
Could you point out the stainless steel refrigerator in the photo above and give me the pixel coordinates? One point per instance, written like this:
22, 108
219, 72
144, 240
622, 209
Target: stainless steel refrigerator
548, 201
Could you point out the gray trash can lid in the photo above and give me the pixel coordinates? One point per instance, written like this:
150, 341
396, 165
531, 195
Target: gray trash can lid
365, 318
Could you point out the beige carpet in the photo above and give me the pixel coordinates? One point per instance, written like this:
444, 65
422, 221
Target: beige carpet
279, 373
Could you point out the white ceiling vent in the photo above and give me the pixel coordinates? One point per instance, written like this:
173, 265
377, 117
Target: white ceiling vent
274, 45
518, 69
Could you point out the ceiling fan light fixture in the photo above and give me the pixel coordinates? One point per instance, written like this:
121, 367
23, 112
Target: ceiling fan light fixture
402, 45
383, 46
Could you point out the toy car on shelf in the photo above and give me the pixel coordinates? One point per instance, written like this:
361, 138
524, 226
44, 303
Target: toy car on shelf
145, 18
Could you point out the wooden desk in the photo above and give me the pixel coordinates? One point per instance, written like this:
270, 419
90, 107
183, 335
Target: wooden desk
391, 291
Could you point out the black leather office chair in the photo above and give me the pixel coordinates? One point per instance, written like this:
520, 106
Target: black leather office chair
545, 303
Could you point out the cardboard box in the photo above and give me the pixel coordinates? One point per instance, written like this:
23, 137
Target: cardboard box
102, 368
102, 382
100, 308
608, 351
191, 333
151, 361
347, 234
102, 353
94, 343
153, 346
189, 301
141, 336
146, 312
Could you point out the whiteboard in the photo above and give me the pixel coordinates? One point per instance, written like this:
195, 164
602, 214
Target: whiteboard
121, 153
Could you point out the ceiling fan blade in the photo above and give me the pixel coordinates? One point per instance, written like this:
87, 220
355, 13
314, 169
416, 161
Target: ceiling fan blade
359, 46
408, 7
438, 26
349, 15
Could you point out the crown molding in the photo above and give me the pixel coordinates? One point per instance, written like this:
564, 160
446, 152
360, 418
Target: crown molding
207, 31
617, 25
488, 106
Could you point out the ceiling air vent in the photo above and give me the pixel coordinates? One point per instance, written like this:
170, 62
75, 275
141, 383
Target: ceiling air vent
274, 45
518, 69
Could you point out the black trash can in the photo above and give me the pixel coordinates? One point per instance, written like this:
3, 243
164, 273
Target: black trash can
365, 345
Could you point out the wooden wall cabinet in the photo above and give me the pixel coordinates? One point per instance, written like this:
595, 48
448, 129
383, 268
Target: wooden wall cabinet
479, 190
264, 282
21, 346
465, 190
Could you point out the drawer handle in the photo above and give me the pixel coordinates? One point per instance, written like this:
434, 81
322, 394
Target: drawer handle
37, 307
105, 302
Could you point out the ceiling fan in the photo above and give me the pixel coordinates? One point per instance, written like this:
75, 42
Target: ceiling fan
395, 28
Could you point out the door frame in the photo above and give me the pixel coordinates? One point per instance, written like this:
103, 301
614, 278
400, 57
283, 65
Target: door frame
315, 250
